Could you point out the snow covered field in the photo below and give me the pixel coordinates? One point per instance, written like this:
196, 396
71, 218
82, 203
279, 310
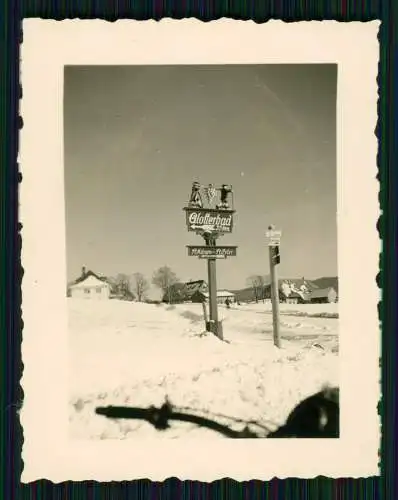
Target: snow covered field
133, 354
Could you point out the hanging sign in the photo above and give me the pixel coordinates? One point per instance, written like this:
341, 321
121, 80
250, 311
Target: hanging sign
209, 220
206, 252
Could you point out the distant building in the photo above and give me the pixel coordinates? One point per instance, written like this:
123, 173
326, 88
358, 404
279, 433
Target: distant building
222, 296
294, 298
90, 286
194, 289
185, 292
323, 295
197, 292
298, 290
292, 291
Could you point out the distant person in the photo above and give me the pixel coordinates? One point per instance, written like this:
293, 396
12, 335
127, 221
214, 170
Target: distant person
228, 303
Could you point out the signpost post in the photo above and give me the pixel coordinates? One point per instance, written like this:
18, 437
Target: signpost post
215, 327
274, 259
210, 220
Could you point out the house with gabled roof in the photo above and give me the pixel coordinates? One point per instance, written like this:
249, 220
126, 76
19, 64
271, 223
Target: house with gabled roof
294, 291
90, 285
185, 292
198, 292
294, 298
222, 296
193, 287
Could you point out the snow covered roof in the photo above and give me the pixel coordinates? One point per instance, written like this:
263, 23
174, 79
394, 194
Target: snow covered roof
298, 283
225, 293
194, 286
90, 281
85, 274
221, 293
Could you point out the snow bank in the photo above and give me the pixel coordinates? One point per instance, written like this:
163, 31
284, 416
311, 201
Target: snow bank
135, 354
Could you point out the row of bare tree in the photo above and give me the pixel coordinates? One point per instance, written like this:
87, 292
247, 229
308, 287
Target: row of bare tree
259, 284
137, 285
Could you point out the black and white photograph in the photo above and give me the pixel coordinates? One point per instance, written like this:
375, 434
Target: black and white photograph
199, 250
238, 333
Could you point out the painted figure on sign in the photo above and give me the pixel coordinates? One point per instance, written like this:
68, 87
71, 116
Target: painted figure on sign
210, 193
195, 199
224, 192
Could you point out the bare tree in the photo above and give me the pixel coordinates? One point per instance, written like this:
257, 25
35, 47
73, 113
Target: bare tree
113, 283
258, 283
122, 286
253, 282
262, 283
165, 278
139, 286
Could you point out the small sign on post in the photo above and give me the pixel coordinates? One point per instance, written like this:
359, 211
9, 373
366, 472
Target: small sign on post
274, 238
208, 252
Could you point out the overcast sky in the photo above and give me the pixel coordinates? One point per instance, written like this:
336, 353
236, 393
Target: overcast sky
137, 137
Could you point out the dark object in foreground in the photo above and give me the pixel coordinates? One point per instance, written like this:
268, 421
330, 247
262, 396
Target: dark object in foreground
315, 417
160, 417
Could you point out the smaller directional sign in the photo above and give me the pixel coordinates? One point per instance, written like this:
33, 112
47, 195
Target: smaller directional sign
207, 252
276, 257
274, 237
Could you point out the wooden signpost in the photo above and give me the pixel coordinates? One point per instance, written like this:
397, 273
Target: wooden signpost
274, 238
210, 215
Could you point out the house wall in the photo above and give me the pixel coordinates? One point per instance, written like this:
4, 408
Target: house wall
198, 297
332, 296
221, 299
319, 300
91, 292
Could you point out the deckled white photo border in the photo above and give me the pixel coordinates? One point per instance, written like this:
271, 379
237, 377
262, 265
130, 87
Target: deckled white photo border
48, 46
